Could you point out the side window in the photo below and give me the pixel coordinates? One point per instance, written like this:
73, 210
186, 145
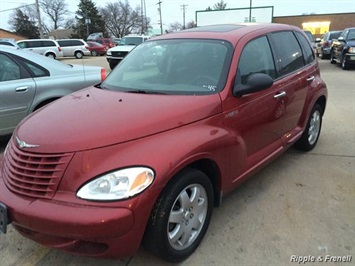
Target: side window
351, 35
256, 58
48, 43
9, 70
290, 57
34, 44
307, 49
344, 34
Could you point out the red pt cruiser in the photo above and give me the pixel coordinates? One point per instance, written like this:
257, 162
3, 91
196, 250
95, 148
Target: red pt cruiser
145, 156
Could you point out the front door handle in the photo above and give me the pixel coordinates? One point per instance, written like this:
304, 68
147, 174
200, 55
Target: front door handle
22, 89
311, 78
280, 95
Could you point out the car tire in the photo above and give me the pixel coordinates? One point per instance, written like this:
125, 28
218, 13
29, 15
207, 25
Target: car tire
344, 63
79, 55
180, 217
311, 133
332, 61
93, 53
112, 65
51, 55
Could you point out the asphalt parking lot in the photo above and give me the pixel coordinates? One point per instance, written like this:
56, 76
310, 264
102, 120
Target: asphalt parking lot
301, 206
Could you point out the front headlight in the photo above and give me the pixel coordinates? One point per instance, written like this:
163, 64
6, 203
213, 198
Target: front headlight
117, 185
352, 50
108, 52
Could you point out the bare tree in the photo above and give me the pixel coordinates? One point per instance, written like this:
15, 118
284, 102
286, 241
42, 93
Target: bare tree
176, 26
56, 10
220, 5
121, 19
191, 24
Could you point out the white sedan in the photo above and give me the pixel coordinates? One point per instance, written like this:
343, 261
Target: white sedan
29, 81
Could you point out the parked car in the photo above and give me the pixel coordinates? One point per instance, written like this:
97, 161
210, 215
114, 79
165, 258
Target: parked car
106, 41
343, 49
324, 44
29, 81
145, 156
8, 42
46, 47
97, 48
311, 39
74, 47
126, 44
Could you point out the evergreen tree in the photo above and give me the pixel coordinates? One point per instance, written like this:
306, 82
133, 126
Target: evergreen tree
88, 20
23, 25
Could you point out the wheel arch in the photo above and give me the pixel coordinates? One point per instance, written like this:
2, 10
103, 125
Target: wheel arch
322, 102
43, 103
212, 171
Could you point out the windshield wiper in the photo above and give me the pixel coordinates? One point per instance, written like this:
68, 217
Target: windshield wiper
145, 92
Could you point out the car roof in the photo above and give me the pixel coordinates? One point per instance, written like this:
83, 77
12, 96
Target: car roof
37, 58
228, 32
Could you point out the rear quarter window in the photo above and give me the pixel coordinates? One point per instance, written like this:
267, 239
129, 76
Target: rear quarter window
307, 49
288, 50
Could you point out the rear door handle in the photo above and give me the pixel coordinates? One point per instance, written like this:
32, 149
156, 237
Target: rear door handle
311, 78
22, 89
280, 95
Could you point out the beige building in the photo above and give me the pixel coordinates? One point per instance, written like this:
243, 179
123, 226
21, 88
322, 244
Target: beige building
318, 24
10, 35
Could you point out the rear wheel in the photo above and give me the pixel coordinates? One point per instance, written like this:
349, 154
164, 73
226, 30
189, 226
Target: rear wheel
50, 55
311, 133
332, 60
93, 53
79, 55
112, 65
180, 217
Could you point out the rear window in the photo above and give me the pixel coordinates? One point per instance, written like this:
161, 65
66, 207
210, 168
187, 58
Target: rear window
334, 35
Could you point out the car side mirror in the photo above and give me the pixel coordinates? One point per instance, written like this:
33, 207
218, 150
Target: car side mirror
341, 39
255, 82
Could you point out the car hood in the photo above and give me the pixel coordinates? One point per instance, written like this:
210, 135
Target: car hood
122, 48
93, 118
351, 43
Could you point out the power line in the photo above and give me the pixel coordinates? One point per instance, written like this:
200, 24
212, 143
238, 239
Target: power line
16, 8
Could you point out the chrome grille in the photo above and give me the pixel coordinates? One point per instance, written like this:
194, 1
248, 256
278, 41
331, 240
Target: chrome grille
34, 174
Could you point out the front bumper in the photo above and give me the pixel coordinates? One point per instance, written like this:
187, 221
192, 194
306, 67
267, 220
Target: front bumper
85, 230
350, 58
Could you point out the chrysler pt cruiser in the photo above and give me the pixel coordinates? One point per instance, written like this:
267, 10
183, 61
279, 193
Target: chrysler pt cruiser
145, 156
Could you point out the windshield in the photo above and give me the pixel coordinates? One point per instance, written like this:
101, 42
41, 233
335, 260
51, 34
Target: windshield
179, 66
131, 41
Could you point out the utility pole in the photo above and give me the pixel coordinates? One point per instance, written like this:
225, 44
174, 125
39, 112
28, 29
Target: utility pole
161, 21
183, 7
143, 14
39, 20
250, 11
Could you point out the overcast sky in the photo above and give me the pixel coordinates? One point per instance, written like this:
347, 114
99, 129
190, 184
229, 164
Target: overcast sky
172, 9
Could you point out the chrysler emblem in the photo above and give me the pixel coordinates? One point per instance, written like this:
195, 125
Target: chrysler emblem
22, 144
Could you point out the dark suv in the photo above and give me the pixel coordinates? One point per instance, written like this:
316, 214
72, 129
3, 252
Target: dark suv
325, 43
343, 49
183, 120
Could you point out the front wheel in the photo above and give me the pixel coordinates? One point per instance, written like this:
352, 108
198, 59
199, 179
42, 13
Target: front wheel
311, 133
180, 217
344, 63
